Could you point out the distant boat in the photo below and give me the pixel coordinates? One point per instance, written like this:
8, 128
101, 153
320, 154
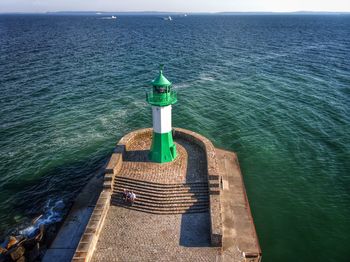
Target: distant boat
168, 18
109, 17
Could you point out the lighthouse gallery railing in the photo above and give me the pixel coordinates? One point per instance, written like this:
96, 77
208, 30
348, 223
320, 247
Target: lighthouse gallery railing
161, 99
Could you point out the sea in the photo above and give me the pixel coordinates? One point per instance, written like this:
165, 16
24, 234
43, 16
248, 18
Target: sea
273, 88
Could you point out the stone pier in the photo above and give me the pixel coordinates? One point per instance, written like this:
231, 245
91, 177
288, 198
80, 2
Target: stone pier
194, 208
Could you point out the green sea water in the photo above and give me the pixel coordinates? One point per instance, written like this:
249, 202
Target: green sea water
273, 88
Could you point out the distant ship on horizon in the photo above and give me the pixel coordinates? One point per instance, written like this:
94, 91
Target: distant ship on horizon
109, 17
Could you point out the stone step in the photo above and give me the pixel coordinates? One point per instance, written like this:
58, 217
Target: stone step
166, 211
173, 200
164, 196
157, 185
163, 192
173, 212
182, 197
170, 206
166, 201
161, 206
180, 187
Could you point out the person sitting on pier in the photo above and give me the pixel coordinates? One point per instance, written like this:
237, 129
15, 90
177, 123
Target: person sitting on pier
132, 197
126, 194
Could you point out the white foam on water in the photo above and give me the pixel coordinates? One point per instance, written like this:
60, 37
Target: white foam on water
291, 51
206, 77
52, 214
117, 115
181, 85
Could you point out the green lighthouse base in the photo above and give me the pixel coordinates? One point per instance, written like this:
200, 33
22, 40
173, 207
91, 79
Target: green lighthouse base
163, 148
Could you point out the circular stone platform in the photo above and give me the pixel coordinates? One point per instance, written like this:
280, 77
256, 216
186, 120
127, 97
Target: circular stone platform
189, 165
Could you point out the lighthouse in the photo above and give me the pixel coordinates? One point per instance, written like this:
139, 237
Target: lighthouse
161, 98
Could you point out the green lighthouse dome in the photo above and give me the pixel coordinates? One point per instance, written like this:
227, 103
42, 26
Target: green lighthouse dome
162, 93
161, 80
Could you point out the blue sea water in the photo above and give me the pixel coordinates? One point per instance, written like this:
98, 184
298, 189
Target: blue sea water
273, 88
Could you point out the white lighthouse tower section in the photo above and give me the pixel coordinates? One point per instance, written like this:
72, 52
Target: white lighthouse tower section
161, 119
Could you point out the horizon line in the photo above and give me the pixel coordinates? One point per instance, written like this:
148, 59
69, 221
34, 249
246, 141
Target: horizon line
182, 12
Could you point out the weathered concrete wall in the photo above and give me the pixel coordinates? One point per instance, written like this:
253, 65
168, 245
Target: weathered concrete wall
240, 241
93, 229
89, 239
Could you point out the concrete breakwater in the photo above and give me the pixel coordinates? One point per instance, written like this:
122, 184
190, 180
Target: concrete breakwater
192, 208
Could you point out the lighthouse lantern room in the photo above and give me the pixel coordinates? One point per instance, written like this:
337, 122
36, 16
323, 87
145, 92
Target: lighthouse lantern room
161, 98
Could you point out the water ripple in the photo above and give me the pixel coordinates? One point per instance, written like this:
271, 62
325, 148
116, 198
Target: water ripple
275, 89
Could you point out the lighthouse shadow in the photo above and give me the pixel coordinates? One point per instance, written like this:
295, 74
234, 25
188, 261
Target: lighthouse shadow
136, 156
195, 227
195, 230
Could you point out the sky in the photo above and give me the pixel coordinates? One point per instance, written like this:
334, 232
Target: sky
175, 5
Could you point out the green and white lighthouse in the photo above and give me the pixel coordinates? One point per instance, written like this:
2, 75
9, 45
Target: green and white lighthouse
161, 98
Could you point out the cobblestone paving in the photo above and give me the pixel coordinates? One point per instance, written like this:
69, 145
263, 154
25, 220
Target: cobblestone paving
130, 235
189, 166
135, 236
